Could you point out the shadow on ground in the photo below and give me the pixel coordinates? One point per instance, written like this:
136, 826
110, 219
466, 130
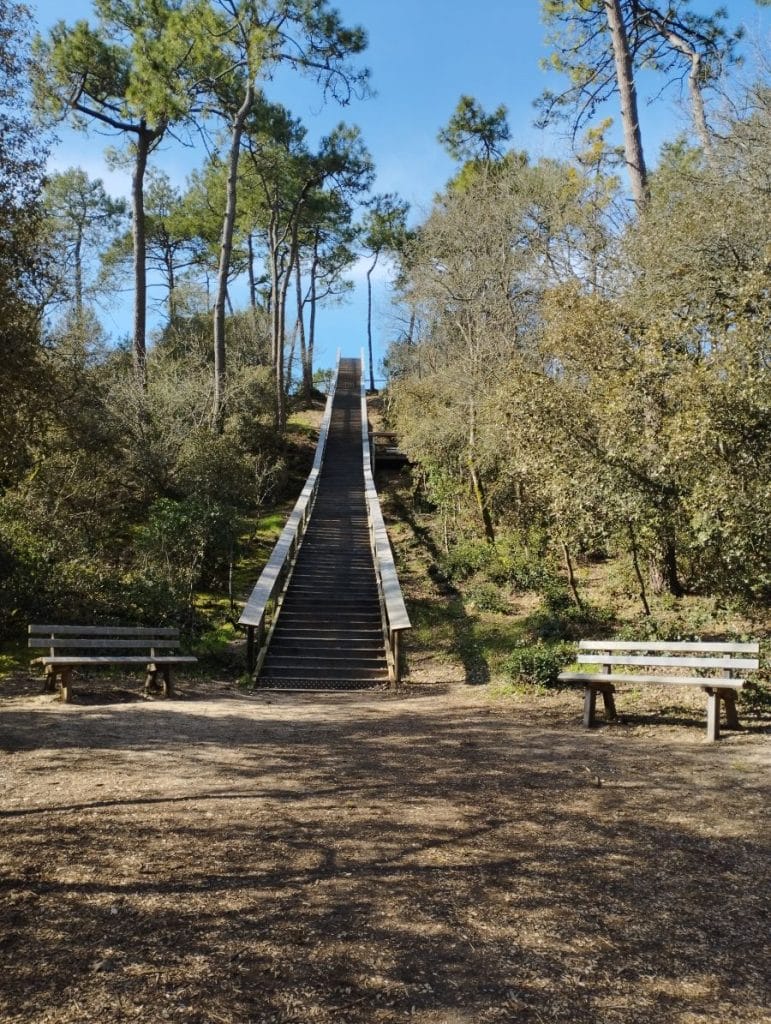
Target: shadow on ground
359, 858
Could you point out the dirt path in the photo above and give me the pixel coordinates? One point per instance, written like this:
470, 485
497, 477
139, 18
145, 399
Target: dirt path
433, 857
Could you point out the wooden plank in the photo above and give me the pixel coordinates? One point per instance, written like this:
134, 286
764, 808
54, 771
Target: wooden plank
103, 644
597, 677
655, 661
665, 645
146, 659
137, 631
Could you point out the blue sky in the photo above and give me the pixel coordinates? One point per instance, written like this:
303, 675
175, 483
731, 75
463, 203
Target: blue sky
423, 55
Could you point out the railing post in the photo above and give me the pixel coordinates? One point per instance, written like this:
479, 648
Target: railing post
250, 649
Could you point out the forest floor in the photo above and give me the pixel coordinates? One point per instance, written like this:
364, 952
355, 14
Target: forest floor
432, 855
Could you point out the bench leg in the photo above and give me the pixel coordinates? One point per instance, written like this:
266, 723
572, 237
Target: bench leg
168, 690
609, 701
151, 682
49, 684
731, 716
713, 713
590, 702
66, 685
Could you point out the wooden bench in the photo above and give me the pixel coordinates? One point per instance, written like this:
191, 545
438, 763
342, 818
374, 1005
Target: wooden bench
107, 645
603, 656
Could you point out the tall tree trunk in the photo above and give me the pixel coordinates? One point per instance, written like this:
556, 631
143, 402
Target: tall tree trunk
226, 250
282, 384
312, 314
636, 566
144, 141
306, 391
250, 271
171, 284
78, 270
476, 481
630, 120
276, 339
571, 575
369, 323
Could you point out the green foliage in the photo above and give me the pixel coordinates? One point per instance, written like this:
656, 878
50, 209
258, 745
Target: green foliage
539, 664
467, 557
472, 134
755, 698
602, 382
22, 158
487, 597
559, 618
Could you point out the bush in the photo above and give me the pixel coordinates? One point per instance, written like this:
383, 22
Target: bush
466, 558
556, 620
687, 624
521, 561
488, 598
539, 664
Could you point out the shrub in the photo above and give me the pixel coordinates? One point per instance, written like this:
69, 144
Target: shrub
488, 598
466, 558
520, 561
539, 664
568, 621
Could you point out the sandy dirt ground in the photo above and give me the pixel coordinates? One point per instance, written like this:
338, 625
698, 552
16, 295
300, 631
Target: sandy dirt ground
431, 856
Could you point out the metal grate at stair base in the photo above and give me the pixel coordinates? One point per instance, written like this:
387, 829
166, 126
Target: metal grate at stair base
319, 686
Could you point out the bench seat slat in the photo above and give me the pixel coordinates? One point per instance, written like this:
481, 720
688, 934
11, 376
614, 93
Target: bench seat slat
137, 631
603, 677
662, 662
180, 659
665, 645
104, 644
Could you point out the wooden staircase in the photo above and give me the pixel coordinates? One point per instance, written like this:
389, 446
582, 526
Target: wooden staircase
328, 633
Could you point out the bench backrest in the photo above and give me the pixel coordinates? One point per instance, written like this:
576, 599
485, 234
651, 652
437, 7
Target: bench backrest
105, 638
671, 654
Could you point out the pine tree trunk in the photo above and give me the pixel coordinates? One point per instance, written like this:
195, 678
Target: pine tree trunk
306, 391
144, 139
250, 271
226, 249
369, 323
78, 271
308, 370
633, 150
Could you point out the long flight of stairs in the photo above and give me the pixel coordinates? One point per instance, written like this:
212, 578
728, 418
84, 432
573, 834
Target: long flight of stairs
329, 632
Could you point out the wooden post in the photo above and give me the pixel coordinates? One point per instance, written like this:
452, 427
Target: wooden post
713, 713
396, 655
729, 702
250, 649
49, 686
590, 701
66, 685
609, 702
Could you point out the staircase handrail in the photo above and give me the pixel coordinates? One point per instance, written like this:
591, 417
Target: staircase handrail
396, 617
275, 576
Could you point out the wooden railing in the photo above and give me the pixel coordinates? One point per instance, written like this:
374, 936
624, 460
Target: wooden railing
260, 612
392, 606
